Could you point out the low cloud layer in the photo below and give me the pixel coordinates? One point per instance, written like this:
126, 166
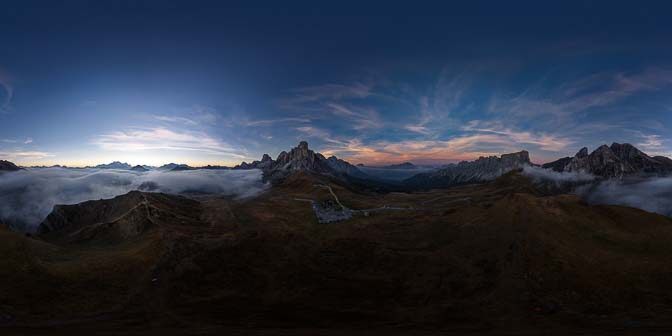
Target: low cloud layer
27, 197
653, 194
540, 174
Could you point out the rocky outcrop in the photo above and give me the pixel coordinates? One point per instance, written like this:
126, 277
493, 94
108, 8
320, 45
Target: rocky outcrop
466, 172
8, 166
303, 159
615, 161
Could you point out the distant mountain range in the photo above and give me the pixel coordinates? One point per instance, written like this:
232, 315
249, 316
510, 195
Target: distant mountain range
114, 165
465, 172
405, 165
615, 161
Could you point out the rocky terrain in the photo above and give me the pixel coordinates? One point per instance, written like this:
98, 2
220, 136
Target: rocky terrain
465, 172
8, 166
615, 161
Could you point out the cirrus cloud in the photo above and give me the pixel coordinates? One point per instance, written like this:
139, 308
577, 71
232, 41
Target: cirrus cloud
150, 139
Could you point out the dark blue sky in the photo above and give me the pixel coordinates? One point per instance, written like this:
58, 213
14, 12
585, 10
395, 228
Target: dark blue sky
220, 82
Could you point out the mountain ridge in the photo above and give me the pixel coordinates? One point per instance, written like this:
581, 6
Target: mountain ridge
615, 161
466, 172
301, 159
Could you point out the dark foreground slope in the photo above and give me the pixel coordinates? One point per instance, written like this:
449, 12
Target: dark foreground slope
497, 258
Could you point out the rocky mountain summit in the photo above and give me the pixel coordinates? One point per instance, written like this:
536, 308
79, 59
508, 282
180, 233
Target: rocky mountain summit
615, 161
8, 166
301, 159
481, 170
114, 165
139, 168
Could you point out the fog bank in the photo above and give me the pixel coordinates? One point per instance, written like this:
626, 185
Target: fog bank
28, 196
544, 175
651, 194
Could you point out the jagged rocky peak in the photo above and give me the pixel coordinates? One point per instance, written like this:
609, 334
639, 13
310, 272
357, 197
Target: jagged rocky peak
617, 160
114, 165
301, 158
626, 150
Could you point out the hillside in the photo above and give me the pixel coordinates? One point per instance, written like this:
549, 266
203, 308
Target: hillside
497, 256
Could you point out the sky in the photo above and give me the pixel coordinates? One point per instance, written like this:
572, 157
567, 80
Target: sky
200, 82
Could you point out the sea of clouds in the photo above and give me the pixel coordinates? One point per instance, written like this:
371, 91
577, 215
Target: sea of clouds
28, 196
653, 194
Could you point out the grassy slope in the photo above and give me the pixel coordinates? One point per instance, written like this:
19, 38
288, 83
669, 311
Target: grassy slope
491, 255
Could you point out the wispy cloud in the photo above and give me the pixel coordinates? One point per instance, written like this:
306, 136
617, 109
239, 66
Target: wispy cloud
329, 92
6, 92
565, 101
654, 144
165, 139
322, 135
345, 103
192, 116
173, 119
313, 132
271, 122
361, 117
466, 147
446, 97
542, 140
22, 156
